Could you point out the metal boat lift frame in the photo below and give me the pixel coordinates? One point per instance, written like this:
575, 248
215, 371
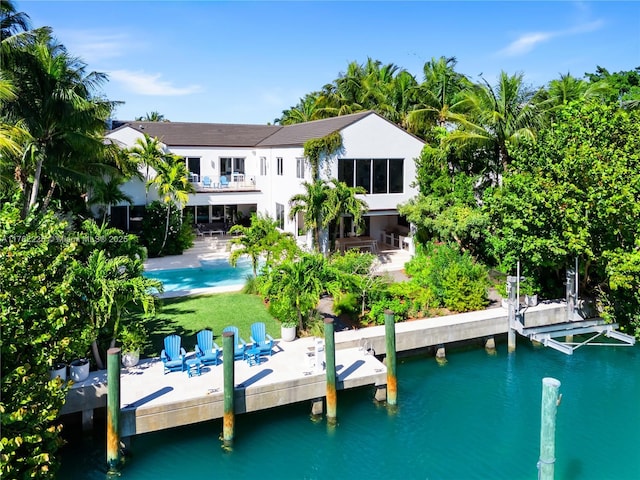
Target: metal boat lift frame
575, 324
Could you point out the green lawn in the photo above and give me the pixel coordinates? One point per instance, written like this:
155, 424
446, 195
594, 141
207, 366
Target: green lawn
186, 316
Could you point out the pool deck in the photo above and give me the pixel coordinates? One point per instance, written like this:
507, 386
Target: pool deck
391, 261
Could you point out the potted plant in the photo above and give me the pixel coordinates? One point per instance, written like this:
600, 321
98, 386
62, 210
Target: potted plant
58, 369
288, 330
133, 339
79, 369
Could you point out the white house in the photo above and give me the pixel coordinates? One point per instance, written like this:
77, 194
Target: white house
239, 169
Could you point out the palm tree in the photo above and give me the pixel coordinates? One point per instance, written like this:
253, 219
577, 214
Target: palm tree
312, 205
437, 94
496, 117
300, 284
173, 186
106, 192
567, 88
342, 200
55, 106
152, 117
147, 152
260, 238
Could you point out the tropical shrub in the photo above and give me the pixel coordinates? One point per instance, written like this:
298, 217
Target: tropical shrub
453, 277
179, 238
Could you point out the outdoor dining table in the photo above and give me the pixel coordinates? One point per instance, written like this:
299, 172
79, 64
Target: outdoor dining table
348, 243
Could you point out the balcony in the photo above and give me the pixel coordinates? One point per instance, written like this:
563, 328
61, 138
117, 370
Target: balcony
236, 182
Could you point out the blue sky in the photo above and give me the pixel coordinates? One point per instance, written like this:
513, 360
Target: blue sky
245, 62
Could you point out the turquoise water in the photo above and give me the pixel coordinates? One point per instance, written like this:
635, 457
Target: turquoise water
212, 273
477, 417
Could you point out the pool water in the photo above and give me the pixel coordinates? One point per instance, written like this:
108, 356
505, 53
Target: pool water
477, 417
211, 273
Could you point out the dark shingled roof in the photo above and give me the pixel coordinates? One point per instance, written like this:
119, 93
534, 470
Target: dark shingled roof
181, 134
298, 134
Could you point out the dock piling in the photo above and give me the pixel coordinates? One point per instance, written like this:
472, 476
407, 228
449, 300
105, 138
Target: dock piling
113, 410
228, 420
330, 352
550, 401
390, 337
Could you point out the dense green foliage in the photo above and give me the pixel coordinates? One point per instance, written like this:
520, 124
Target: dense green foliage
576, 193
452, 277
39, 327
179, 235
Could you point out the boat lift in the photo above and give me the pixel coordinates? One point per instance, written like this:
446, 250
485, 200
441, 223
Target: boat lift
575, 323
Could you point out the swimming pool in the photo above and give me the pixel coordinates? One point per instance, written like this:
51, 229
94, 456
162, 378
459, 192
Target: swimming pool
212, 274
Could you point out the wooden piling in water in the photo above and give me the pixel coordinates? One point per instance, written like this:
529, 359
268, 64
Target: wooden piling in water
113, 410
550, 401
390, 338
228, 419
330, 360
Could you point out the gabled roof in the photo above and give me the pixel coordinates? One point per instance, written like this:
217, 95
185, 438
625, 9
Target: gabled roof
181, 134
299, 133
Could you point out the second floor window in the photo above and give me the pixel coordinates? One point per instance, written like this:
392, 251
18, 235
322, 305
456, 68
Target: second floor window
279, 168
299, 167
263, 166
375, 175
280, 215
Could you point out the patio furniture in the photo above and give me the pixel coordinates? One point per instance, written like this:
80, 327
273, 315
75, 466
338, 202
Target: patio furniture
261, 339
253, 356
224, 182
239, 344
206, 182
193, 366
173, 355
207, 351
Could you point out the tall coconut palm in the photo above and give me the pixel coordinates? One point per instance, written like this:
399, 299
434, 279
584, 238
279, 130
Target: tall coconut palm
496, 117
437, 94
55, 105
173, 186
152, 117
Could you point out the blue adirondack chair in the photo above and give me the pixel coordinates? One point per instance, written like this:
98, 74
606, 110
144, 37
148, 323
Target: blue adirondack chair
239, 346
206, 182
224, 182
173, 356
261, 338
207, 350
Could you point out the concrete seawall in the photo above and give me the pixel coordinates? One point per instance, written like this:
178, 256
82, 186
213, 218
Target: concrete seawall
153, 401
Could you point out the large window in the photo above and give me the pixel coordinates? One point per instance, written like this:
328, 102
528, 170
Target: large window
375, 175
279, 166
229, 166
280, 215
299, 167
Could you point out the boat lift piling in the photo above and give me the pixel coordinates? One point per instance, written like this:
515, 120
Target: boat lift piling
390, 337
114, 455
550, 402
228, 420
330, 359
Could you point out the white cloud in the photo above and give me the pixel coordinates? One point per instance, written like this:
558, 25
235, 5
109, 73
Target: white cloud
528, 41
93, 47
150, 84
